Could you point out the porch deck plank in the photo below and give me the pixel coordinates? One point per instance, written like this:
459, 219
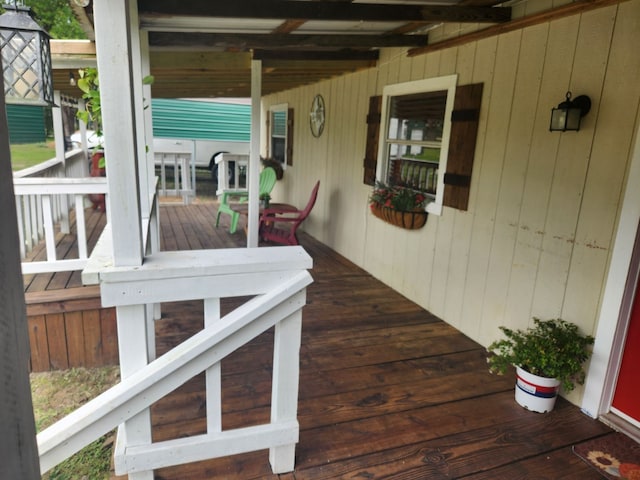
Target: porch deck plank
387, 390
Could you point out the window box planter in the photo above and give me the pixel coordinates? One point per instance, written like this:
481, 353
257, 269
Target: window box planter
402, 219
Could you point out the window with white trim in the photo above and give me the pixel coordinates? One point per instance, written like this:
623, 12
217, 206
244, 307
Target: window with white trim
414, 136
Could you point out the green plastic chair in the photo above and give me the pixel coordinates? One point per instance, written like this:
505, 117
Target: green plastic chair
267, 182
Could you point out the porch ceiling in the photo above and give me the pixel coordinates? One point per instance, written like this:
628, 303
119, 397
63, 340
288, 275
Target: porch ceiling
204, 49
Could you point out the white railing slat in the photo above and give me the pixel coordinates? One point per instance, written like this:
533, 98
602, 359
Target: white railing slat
213, 377
49, 234
81, 228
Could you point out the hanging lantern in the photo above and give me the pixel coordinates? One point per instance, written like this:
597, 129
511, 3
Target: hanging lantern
26, 58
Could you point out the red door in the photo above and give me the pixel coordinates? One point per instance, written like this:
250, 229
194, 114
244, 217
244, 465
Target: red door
627, 394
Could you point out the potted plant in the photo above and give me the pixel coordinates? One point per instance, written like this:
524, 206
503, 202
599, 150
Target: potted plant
399, 206
547, 356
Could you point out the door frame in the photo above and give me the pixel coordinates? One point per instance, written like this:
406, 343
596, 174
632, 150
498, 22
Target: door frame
614, 316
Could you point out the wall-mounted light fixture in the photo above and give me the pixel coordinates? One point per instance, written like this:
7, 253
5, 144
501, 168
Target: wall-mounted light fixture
72, 79
26, 58
568, 114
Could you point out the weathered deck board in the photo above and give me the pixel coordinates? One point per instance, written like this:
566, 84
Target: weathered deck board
387, 390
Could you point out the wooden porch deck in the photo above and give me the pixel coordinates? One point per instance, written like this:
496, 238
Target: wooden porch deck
387, 390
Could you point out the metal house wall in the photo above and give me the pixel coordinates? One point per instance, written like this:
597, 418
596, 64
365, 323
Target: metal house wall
194, 119
26, 124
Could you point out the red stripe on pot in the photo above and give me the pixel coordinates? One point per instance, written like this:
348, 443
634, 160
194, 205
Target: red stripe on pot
536, 390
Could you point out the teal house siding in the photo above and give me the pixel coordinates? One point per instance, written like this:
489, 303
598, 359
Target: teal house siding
26, 124
193, 119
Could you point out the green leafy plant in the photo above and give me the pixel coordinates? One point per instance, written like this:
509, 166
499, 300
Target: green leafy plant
89, 84
551, 348
398, 198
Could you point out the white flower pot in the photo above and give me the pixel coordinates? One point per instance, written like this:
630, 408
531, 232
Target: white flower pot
535, 393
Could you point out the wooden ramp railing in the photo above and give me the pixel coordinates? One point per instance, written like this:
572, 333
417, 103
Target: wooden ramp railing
275, 277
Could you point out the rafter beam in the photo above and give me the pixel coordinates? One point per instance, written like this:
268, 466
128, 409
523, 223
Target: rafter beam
247, 41
343, 55
291, 9
576, 7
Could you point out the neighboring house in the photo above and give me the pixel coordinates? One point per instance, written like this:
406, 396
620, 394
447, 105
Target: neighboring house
206, 127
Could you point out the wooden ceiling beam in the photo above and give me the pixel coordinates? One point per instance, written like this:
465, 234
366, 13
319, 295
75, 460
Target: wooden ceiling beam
576, 7
315, 55
270, 41
291, 9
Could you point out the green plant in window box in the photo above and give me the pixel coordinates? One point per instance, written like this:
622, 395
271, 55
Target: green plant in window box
399, 198
399, 206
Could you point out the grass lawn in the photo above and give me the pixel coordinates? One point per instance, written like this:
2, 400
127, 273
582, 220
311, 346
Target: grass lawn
28, 154
56, 394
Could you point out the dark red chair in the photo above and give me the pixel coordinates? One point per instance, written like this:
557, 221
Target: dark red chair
280, 226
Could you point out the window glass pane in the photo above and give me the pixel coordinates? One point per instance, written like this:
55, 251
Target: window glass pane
419, 116
414, 140
278, 135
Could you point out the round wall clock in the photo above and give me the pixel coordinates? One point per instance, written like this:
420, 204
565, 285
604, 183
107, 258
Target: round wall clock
316, 116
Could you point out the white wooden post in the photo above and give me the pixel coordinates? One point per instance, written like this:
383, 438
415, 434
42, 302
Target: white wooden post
132, 336
58, 133
138, 91
253, 182
113, 52
122, 153
214, 373
284, 396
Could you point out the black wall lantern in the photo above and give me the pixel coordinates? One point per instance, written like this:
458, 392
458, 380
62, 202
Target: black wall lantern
568, 114
26, 58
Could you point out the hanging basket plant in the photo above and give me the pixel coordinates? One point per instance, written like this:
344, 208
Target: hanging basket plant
399, 206
408, 220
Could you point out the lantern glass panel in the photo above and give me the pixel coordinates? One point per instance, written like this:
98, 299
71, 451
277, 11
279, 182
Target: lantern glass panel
26, 61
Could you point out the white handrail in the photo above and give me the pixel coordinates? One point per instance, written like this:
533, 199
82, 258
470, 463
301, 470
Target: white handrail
278, 278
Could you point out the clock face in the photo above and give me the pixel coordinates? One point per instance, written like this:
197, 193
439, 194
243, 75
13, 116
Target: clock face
316, 120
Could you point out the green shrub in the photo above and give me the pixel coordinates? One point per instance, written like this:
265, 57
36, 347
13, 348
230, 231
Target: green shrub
552, 348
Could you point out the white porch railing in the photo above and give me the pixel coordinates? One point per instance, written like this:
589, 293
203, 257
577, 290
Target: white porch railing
177, 159
41, 203
275, 276
224, 161
29, 205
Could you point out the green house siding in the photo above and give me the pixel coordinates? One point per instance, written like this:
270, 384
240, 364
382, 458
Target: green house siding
194, 119
26, 124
